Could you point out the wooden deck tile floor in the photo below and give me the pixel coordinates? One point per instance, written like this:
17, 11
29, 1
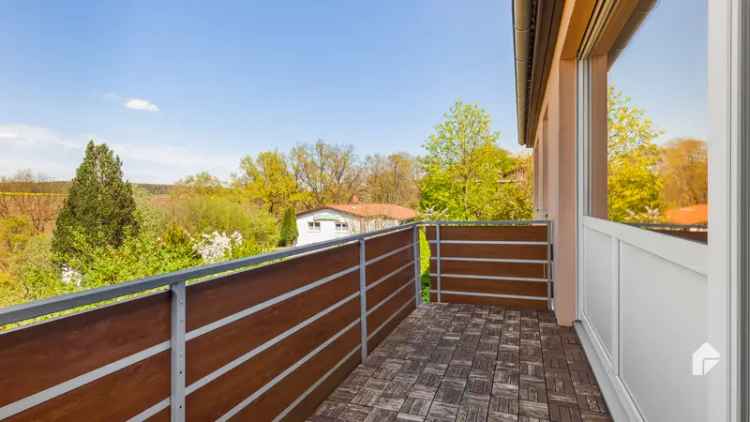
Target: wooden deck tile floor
454, 362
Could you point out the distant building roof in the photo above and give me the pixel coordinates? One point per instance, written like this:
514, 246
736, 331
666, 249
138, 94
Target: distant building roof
393, 211
694, 214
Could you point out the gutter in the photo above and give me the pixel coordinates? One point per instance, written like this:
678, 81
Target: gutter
536, 24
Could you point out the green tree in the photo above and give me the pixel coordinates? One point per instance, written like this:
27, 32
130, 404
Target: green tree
464, 168
391, 179
634, 184
269, 180
330, 173
99, 209
289, 231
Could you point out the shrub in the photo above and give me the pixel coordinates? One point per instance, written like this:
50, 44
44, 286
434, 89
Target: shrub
199, 214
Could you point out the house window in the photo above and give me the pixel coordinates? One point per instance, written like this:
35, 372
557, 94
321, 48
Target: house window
342, 227
650, 118
313, 226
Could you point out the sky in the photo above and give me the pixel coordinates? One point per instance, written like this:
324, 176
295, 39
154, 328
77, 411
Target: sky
179, 87
664, 68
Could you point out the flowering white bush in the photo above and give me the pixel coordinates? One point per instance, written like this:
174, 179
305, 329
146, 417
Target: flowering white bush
71, 276
215, 246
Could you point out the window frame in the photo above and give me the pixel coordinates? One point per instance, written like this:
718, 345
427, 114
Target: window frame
313, 226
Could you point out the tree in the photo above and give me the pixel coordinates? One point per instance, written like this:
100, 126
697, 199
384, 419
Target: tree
684, 169
289, 233
99, 209
201, 183
634, 184
391, 179
464, 167
330, 173
269, 180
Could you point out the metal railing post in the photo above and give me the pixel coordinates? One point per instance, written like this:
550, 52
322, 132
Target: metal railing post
417, 267
363, 296
437, 259
177, 345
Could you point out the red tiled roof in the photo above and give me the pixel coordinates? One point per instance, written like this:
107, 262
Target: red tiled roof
393, 211
694, 214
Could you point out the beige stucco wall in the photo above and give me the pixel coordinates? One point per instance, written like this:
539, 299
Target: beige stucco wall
555, 154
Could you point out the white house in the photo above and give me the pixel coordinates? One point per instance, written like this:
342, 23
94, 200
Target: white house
340, 220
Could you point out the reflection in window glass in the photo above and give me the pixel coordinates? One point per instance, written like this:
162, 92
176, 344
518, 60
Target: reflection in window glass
657, 122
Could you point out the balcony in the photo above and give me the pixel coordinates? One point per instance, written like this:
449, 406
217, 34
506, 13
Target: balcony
329, 331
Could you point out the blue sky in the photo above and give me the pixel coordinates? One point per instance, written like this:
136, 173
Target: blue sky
180, 87
664, 68
236, 78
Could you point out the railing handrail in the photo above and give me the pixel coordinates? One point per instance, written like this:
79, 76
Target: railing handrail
30, 310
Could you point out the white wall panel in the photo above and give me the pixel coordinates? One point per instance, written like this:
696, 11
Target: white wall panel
663, 322
599, 287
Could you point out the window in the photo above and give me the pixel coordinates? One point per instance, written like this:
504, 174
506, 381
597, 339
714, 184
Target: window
654, 88
313, 226
342, 227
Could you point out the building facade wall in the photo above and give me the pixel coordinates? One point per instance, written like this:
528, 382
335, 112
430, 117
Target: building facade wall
328, 219
555, 153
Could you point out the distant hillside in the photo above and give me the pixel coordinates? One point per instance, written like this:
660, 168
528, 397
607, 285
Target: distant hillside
63, 186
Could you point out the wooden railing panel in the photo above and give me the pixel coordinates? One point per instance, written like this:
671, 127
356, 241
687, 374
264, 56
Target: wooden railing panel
377, 318
377, 270
496, 269
532, 252
219, 298
221, 395
283, 394
39, 357
506, 265
384, 244
476, 285
203, 357
514, 233
115, 397
378, 293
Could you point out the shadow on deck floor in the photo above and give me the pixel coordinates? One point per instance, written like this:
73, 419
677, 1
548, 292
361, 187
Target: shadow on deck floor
455, 362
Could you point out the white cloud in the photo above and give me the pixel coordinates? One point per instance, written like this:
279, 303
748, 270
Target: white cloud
141, 104
55, 155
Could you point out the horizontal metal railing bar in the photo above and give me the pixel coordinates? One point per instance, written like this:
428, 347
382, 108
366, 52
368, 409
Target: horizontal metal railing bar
265, 346
496, 278
263, 305
151, 411
59, 389
504, 296
490, 242
34, 309
317, 383
388, 254
278, 378
389, 275
390, 296
390, 318
508, 260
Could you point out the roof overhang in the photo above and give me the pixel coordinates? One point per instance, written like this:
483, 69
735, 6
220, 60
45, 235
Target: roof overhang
535, 27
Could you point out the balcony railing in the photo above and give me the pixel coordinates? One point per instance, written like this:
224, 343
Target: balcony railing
267, 338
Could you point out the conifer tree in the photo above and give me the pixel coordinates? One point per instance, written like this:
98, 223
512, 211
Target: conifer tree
99, 210
289, 231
